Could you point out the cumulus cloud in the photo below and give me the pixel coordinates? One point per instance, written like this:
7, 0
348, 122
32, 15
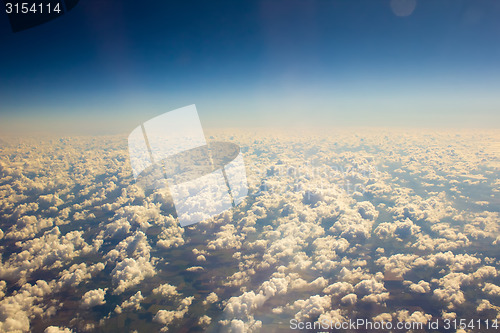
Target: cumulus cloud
244, 305
135, 246
166, 290
55, 329
78, 273
311, 307
484, 305
300, 248
382, 317
339, 289
28, 226
204, 320
166, 317
352, 226
491, 289
333, 316
172, 235
130, 272
94, 297
3, 286
134, 302
400, 230
421, 287
415, 317
238, 311
194, 269
432, 209
16, 310
449, 290
211, 298
349, 299
48, 251
227, 238
118, 228
326, 250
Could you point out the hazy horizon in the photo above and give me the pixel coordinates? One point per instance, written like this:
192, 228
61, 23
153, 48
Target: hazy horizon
367, 63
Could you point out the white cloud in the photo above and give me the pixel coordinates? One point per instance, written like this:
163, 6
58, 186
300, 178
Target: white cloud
78, 273
204, 320
400, 230
55, 329
94, 297
166, 317
339, 289
349, 299
195, 269
135, 246
227, 238
130, 272
421, 287
16, 310
48, 251
311, 307
211, 298
491, 289
134, 302
166, 290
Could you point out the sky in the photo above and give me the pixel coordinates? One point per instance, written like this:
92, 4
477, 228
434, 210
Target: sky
106, 66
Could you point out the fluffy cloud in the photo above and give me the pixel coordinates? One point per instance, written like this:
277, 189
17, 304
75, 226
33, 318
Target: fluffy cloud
55, 329
134, 302
339, 289
432, 209
16, 310
194, 269
415, 317
49, 251
333, 316
166, 290
118, 228
352, 226
400, 230
166, 317
421, 287
204, 320
78, 273
130, 272
244, 305
325, 251
302, 246
311, 307
491, 289
449, 290
371, 290
349, 299
94, 297
227, 238
211, 298
135, 246
28, 226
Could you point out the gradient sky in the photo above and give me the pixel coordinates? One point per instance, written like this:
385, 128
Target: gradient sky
108, 65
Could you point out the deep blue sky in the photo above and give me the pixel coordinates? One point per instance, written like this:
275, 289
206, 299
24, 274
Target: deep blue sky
108, 65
